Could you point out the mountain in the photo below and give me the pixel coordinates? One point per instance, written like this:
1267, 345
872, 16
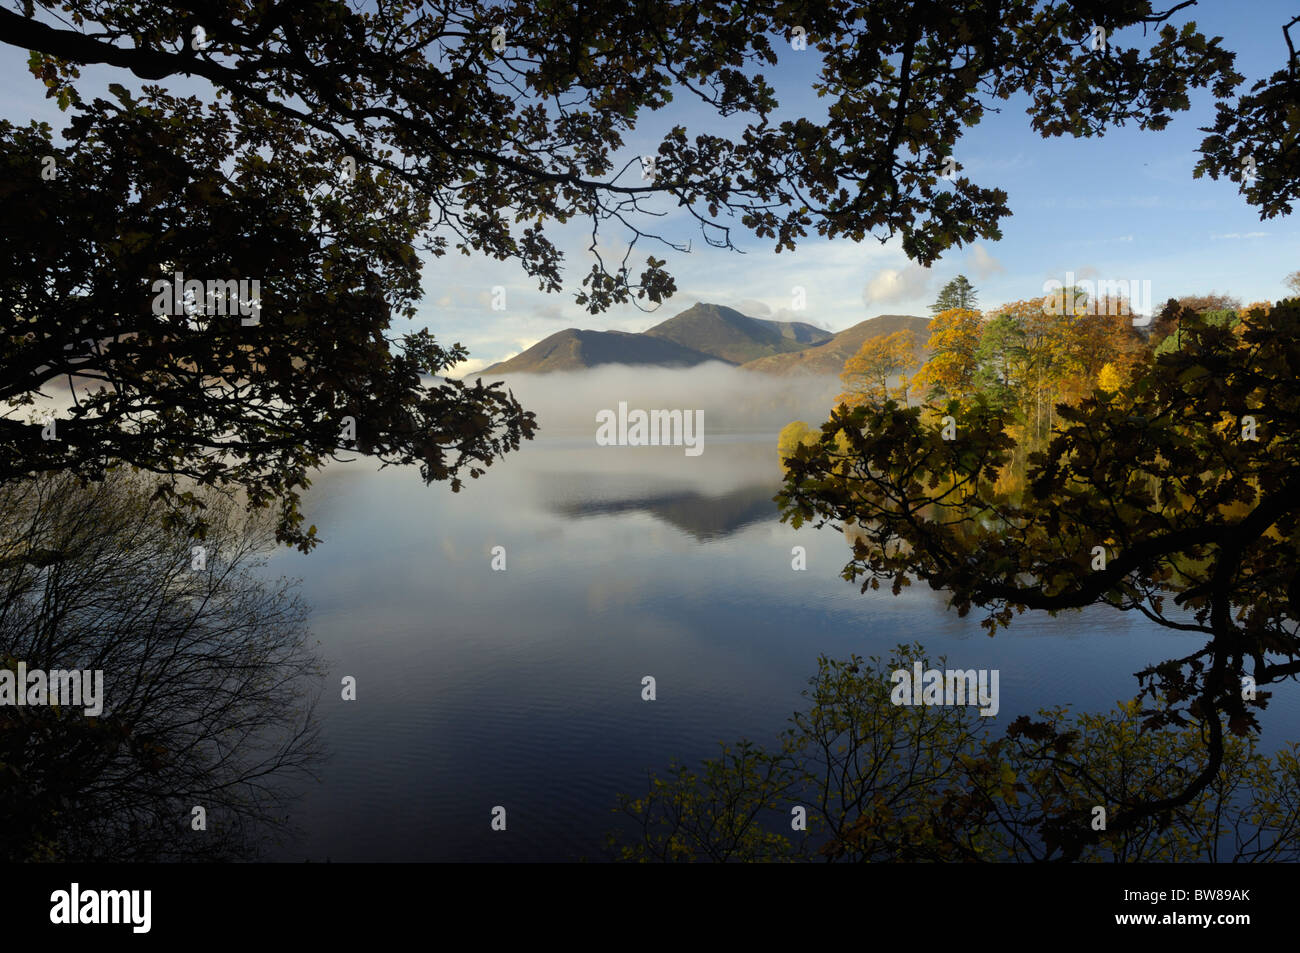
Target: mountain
710, 332
703, 332
829, 356
735, 337
572, 349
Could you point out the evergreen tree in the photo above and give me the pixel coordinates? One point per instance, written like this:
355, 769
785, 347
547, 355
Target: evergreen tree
958, 293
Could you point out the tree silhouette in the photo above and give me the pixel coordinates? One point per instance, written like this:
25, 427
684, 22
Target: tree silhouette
209, 679
1173, 496
216, 399
478, 126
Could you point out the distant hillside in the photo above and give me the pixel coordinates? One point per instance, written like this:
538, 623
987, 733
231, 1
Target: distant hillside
711, 332
735, 337
829, 356
703, 332
572, 349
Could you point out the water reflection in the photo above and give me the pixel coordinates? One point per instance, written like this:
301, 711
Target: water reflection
522, 688
703, 516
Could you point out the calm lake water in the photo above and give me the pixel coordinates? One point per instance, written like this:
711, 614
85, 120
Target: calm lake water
522, 688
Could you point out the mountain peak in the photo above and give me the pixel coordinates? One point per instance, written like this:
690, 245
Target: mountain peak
735, 337
703, 332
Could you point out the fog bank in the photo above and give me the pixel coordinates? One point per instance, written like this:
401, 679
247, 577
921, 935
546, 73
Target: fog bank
733, 400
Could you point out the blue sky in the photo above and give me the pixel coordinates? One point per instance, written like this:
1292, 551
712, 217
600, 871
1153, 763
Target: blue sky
1122, 206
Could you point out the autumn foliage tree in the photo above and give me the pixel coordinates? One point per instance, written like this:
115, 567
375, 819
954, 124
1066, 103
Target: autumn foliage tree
953, 344
1111, 377
867, 374
792, 435
1212, 301
1087, 341
1035, 353
1184, 479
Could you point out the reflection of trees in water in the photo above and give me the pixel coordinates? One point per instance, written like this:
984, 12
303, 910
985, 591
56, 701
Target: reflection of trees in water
885, 782
208, 679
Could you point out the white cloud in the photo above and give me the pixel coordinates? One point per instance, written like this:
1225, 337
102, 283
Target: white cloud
983, 263
896, 284
466, 367
803, 317
1231, 235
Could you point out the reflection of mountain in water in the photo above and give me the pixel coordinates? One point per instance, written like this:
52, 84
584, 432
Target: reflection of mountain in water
703, 516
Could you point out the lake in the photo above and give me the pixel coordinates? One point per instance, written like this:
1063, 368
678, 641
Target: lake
522, 688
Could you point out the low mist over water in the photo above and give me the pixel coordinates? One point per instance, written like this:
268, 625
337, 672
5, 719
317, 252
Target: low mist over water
733, 400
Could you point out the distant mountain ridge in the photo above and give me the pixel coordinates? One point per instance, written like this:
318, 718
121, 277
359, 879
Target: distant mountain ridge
734, 337
829, 356
707, 332
573, 349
